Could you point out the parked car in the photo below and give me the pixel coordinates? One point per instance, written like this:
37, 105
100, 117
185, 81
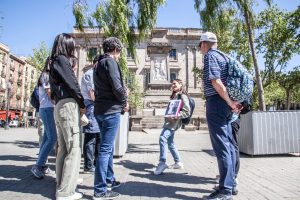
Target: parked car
14, 123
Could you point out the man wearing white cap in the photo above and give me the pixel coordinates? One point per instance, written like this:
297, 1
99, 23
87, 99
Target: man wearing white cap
219, 109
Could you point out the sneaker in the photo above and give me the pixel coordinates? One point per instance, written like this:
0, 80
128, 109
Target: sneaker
92, 170
79, 181
76, 195
47, 170
235, 191
160, 168
106, 195
113, 185
37, 172
177, 165
218, 197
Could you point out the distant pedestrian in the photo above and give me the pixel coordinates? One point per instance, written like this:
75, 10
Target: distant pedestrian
110, 102
69, 106
91, 131
46, 110
166, 139
219, 109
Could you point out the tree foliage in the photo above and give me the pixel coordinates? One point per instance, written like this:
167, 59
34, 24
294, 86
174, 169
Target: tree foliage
277, 40
40, 54
210, 10
129, 20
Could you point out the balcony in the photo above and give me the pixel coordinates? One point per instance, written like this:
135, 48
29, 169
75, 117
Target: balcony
11, 80
19, 82
3, 74
12, 68
18, 96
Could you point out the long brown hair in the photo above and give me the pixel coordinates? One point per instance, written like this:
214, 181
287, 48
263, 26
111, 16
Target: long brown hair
182, 89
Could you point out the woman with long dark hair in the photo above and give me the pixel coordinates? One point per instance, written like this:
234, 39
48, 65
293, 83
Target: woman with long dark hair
69, 106
166, 139
46, 111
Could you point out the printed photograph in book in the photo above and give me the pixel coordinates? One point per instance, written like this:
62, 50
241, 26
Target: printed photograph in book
173, 108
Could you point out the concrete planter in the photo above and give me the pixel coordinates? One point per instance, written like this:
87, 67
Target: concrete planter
275, 132
121, 143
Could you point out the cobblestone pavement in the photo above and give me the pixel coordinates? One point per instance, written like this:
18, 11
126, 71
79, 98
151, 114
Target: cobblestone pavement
261, 177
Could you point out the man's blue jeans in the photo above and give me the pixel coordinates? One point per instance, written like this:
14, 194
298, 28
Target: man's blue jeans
104, 173
50, 135
218, 115
167, 138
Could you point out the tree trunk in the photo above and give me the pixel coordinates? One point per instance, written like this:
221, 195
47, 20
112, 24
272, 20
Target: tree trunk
261, 98
288, 99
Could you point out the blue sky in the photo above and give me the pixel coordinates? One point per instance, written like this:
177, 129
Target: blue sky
27, 23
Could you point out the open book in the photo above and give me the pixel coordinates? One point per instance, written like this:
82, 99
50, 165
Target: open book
173, 108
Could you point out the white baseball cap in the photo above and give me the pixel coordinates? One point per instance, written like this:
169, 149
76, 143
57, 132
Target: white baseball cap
208, 37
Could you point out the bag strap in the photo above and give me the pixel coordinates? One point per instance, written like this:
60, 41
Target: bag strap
224, 55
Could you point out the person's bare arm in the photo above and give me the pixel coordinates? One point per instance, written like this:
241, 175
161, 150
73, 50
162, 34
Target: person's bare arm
92, 95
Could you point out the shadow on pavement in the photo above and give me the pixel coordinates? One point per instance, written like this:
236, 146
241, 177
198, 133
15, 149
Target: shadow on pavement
19, 179
17, 158
141, 189
128, 164
142, 148
173, 177
23, 144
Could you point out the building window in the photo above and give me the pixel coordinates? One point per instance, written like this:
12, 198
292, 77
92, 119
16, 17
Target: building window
173, 54
146, 78
173, 76
92, 52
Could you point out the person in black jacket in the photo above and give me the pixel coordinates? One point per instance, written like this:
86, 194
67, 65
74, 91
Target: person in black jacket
69, 106
110, 102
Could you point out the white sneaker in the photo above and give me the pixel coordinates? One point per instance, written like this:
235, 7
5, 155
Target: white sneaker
79, 181
75, 196
177, 165
160, 168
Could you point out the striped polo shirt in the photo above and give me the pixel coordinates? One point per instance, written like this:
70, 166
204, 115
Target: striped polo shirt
215, 67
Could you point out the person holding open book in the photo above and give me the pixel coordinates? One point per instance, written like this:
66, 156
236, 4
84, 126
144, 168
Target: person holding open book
178, 109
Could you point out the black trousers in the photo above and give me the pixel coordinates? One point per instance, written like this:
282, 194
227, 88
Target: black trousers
90, 149
235, 128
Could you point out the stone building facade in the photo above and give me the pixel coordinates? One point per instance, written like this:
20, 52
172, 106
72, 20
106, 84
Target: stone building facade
19, 77
167, 54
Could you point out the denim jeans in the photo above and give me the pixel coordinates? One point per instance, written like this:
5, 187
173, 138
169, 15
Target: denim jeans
49, 136
104, 173
90, 149
167, 138
218, 115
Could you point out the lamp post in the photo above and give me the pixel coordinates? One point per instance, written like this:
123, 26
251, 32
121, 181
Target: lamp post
8, 88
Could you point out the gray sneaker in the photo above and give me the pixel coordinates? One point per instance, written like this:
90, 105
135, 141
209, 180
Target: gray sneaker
160, 168
37, 172
107, 195
47, 171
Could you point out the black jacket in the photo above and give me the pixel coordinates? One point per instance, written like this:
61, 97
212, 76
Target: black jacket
110, 95
63, 81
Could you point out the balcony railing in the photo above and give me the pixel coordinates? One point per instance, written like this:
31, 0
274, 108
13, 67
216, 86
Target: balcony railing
3, 75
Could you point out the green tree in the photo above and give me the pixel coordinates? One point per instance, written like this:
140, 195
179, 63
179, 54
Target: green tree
276, 41
39, 57
210, 10
290, 82
129, 20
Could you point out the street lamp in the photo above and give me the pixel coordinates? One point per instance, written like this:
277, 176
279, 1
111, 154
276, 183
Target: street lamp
8, 88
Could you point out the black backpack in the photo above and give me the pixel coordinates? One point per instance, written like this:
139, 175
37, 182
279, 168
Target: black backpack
34, 98
186, 121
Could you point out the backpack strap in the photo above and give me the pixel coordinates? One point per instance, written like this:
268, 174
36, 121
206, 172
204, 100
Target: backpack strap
224, 55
